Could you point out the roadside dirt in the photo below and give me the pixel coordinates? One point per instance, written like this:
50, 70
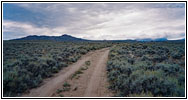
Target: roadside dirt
92, 82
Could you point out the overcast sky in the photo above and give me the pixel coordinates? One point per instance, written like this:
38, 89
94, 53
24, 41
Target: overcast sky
95, 21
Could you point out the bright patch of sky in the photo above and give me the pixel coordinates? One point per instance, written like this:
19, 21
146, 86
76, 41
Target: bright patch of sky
95, 21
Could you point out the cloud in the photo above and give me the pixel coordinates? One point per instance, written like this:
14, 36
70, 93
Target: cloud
13, 29
98, 21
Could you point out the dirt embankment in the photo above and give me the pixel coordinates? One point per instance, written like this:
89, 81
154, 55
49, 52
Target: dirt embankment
89, 82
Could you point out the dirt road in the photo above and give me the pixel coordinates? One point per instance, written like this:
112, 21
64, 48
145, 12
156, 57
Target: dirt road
94, 83
91, 83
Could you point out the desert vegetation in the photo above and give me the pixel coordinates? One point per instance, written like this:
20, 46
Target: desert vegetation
147, 69
27, 63
134, 69
80, 71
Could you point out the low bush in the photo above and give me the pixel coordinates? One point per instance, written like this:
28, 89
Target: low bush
153, 74
27, 63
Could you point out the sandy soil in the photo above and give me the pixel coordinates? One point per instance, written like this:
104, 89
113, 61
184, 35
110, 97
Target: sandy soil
91, 83
94, 87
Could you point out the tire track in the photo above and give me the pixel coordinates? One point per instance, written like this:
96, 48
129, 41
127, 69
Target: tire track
94, 83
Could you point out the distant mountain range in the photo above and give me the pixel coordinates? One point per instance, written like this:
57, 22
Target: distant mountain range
149, 39
66, 37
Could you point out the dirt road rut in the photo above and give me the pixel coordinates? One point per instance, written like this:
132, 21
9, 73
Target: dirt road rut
94, 83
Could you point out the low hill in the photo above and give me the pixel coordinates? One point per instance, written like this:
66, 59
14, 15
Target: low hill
64, 37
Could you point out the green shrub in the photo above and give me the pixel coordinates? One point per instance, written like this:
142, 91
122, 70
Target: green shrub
54, 69
87, 63
27, 63
153, 74
131, 60
66, 84
59, 91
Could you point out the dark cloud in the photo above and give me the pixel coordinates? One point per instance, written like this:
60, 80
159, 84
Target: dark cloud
96, 20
